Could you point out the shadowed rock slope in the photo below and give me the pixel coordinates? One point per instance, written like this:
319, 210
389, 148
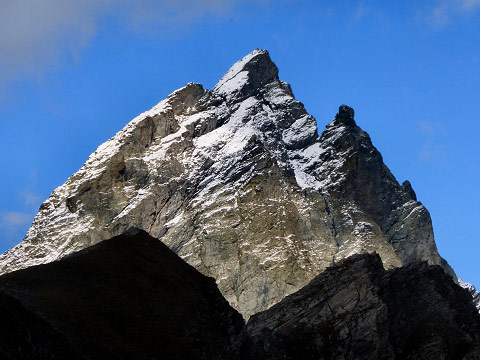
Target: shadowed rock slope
357, 310
238, 183
25, 335
132, 298
126, 298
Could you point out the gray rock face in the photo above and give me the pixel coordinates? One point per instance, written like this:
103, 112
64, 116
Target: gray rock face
357, 310
238, 183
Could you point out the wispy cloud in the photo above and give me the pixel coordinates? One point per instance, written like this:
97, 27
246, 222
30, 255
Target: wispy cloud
12, 220
33, 34
443, 12
30, 198
13, 226
470, 5
432, 151
361, 11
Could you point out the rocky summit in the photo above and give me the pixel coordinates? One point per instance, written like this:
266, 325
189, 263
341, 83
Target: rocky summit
237, 181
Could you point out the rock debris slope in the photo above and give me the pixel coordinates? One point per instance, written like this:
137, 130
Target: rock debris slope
238, 183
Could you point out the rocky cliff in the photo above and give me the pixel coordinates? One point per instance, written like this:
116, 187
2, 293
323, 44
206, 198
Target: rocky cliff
237, 181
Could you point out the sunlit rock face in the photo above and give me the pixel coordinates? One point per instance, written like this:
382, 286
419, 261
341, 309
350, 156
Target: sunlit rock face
238, 183
473, 291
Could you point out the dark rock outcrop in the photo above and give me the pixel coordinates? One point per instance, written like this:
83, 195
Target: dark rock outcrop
357, 310
24, 335
132, 298
126, 298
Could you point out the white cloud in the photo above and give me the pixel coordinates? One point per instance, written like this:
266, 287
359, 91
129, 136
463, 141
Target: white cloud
30, 198
361, 11
12, 220
14, 223
34, 33
443, 12
470, 5
13, 226
432, 151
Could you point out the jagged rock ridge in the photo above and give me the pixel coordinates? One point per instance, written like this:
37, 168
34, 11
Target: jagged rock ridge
237, 182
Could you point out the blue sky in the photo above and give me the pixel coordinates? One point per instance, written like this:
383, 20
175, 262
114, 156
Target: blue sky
74, 73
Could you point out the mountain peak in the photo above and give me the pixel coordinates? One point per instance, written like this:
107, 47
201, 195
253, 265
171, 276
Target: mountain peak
247, 75
239, 184
345, 115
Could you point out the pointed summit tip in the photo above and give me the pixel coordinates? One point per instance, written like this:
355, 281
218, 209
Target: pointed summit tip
345, 115
260, 65
257, 56
252, 72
